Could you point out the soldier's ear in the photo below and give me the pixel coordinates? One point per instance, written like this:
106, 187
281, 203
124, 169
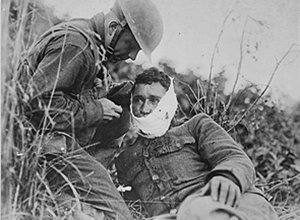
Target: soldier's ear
112, 27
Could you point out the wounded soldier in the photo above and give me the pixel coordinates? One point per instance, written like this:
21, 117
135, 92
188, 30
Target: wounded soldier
192, 171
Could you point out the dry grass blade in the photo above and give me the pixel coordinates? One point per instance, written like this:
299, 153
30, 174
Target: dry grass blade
264, 90
211, 66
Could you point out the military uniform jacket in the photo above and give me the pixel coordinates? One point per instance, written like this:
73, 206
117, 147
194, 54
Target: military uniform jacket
58, 75
164, 170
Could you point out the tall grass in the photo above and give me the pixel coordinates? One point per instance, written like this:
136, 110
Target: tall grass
25, 194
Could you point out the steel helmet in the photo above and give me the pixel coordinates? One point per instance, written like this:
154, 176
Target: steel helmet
145, 22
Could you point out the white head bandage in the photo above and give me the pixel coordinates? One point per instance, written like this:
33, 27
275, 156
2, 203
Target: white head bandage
158, 122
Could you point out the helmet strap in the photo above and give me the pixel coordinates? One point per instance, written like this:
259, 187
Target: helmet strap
111, 47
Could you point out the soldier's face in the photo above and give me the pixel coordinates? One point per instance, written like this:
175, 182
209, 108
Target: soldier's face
126, 47
145, 98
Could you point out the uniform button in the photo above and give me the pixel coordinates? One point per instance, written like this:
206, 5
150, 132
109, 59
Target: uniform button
177, 144
155, 177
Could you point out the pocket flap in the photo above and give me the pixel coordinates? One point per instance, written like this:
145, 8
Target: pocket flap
175, 144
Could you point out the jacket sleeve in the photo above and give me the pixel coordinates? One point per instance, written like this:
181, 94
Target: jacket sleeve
221, 152
59, 73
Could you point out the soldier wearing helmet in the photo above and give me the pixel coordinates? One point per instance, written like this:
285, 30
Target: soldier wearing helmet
143, 20
68, 97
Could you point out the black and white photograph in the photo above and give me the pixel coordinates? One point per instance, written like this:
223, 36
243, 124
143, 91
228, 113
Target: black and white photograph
150, 110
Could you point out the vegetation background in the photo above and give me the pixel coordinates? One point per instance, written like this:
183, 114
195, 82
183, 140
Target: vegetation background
268, 133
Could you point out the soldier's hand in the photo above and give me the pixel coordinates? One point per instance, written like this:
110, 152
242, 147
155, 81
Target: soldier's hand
110, 110
223, 190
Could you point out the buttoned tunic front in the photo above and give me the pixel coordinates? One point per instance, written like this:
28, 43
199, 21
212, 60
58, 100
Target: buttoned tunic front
165, 170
